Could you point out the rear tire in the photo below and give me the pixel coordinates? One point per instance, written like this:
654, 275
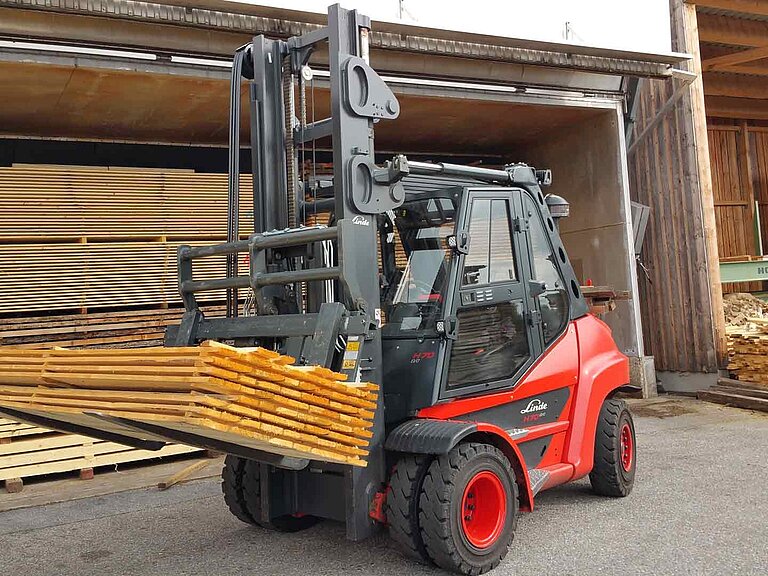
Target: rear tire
252, 498
468, 509
613, 472
232, 487
403, 505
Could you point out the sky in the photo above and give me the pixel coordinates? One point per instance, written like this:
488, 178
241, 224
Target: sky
640, 25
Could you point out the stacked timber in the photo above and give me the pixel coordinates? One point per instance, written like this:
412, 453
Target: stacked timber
75, 238
248, 397
748, 351
746, 319
28, 451
125, 329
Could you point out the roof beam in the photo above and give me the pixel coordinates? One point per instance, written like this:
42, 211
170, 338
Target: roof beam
740, 57
753, 70
718, 29
740, 108
735, 85
759, 7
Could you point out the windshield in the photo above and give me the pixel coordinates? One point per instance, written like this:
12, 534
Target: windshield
416, 263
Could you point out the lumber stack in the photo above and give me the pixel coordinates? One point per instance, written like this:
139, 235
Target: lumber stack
249, 397
748, 351
76, 238
42, 202
126, 329
41, 277
54, 453
27, 451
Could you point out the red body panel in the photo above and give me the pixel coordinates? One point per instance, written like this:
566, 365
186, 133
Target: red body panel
558, 367
586, 361
602, 369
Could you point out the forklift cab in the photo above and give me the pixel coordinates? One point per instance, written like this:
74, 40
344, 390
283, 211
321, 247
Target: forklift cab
476, 275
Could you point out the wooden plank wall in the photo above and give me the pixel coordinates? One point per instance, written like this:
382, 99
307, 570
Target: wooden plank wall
677, 305
739, 159
758, 156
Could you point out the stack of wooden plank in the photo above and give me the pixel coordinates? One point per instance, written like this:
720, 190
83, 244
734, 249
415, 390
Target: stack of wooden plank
27, 451
37, 277
42, 203
89, 237
748, 348
125, 329
249, 397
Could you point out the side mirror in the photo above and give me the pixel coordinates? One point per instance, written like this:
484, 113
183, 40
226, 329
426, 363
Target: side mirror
459, 242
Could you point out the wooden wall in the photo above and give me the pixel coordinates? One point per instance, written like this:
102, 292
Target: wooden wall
681, 302
739, 159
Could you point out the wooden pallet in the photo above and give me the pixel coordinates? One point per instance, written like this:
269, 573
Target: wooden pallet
10, 430
248, 397
52, 453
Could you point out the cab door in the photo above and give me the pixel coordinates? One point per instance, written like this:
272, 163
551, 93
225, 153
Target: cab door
497, 335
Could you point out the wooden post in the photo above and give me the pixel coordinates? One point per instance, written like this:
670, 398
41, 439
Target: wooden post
687, 12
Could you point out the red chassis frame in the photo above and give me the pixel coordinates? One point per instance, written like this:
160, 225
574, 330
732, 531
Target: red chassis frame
585, 360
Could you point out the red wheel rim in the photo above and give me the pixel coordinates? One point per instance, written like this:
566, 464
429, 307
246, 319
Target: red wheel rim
483, 509
627, 447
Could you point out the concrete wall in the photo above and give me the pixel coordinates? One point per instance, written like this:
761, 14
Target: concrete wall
589, 171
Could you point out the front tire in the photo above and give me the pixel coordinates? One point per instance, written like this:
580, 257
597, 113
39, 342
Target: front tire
613, 472
232, 488
403, 505
468, 509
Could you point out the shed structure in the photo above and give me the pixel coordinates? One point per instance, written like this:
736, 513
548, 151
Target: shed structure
137, 92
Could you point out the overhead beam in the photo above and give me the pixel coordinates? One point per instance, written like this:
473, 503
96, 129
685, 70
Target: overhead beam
734, 58
737, 108
757, 7
735, 85
719, 29
757, 69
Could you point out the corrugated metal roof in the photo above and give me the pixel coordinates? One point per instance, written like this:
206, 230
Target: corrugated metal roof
401, 38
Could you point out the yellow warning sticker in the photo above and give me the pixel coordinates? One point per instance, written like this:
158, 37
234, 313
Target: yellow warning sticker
348, 365
353, 345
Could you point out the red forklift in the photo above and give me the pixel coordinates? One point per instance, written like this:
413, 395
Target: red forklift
447, 285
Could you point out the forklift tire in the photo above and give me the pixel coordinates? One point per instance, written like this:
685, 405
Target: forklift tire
403, 505
232, 487
613, 473
468, 508
252, 497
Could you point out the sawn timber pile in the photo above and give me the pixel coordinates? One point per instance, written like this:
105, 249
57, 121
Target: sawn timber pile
748, 352
251, 397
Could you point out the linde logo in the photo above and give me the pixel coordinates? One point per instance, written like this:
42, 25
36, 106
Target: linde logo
534, 405
360, 221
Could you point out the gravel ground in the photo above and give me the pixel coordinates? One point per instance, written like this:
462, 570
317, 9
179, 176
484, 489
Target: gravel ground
698, 508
